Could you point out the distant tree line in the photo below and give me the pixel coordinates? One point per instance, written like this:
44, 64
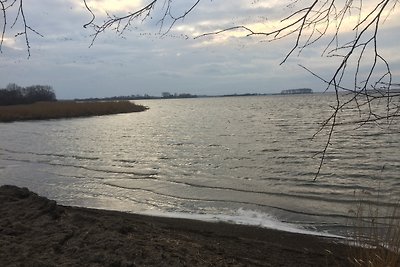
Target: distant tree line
297, 91
164, 95
118, 98
16, 95
184, 95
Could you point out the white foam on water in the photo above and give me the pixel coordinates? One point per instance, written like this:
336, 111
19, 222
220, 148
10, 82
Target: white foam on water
244, 217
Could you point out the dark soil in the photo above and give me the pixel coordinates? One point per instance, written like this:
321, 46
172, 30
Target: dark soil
35, 231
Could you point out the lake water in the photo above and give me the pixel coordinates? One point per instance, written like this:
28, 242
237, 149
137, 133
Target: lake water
241, 159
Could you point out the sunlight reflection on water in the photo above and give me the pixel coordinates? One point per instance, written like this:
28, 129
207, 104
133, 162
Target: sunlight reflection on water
207, 156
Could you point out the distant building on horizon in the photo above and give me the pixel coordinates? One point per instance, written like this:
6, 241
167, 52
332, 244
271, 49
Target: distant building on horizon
297, 91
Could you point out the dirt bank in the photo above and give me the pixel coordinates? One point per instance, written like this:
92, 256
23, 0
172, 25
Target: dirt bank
35, 231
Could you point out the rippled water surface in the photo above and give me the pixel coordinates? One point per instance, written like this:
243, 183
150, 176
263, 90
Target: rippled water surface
240, 158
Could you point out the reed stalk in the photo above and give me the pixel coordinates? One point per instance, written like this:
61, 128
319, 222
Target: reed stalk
375, 241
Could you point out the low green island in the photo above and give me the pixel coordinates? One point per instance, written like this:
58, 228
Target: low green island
65, 109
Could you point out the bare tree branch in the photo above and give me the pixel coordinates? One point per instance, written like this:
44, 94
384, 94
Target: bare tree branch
20, 16
3, 31
120, 23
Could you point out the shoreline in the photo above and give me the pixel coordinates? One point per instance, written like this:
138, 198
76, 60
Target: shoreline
271, 224
66, 110
35, 231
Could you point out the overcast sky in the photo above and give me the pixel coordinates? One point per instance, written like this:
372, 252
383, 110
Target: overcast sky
143, 61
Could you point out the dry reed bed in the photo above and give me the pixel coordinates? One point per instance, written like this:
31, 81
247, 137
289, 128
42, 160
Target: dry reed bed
66, 109
376, 236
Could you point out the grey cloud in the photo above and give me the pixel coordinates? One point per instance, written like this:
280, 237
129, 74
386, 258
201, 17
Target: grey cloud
145, 61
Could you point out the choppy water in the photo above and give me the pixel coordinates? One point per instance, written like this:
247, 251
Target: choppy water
245, 159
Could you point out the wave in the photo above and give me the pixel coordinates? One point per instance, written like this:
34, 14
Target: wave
50, 154
244, 217
152, 175
333, 215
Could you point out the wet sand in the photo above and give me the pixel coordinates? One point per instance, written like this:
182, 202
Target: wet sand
35, 231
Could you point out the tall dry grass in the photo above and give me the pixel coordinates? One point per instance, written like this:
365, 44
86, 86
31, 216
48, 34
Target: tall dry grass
375, 240
66, 109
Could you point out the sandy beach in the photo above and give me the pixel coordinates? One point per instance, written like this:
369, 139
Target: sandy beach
35, 231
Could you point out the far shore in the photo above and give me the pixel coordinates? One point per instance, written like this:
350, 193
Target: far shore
35, 231
66, 109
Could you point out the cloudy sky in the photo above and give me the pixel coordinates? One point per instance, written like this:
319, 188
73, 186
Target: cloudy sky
147, 60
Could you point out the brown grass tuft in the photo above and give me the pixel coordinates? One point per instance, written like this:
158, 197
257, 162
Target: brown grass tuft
376, 236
